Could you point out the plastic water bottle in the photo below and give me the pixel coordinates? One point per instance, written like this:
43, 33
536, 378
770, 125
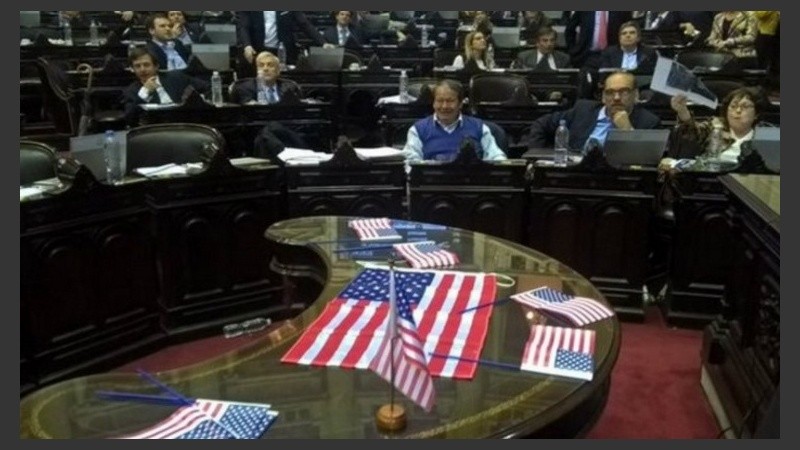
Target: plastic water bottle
561, 144
424, 36
490, 57
67, 33
115, 158
714, 148
216, 89
403, 88
94, 38
261, 89
648, 20
255, 325
282, 55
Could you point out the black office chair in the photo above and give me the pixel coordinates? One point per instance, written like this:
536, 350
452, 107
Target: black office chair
444, 57
498, 88
37, 161
59, 103
350, 58
179, 143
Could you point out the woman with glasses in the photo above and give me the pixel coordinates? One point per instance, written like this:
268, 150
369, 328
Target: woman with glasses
738, 115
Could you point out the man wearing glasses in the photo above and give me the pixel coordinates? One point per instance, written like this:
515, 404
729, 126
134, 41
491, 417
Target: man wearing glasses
590, 120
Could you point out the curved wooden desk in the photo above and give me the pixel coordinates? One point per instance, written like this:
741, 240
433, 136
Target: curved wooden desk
336, 403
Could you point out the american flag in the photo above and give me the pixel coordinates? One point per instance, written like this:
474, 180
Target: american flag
349, 331
560, 351
424, 255
374, 229
577, 310
403, 362
212, 419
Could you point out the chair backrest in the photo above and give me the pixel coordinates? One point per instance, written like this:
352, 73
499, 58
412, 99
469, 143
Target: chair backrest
350, 58
415, 85
722, 87
696, 58
179, 143
58, 100
497, 87
37, 161
444, 56
499, 135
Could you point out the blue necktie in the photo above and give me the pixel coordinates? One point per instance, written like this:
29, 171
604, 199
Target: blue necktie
271, 97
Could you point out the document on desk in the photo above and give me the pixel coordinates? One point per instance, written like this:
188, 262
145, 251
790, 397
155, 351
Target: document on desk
380, 154
301, 156
673, 78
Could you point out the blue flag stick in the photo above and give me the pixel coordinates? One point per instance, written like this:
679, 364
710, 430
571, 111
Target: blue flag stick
497, 365
496, 302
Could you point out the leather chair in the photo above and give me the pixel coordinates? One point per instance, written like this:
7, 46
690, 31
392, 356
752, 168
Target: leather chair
37, 161
350, 58
498, 88
697, 58
415, 85
179, 143
444, 57
234, 96
59, 102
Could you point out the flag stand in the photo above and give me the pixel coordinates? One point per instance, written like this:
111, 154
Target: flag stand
391, 417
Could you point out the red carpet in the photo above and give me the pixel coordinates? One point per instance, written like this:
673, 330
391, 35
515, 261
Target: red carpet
655, 387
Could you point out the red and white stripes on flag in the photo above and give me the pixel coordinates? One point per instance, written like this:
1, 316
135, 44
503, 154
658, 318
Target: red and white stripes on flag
401, 357
579, 311
349, 331
374, 229
426, 254
567, 352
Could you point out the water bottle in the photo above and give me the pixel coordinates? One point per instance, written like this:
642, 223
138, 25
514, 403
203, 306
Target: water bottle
216, 89
67, 33
115, 158
232, 330
255, 325
404, 98
648, 20
490, 57
282, 55
714, 148
261, 89
561, 144
94, 38
424, 36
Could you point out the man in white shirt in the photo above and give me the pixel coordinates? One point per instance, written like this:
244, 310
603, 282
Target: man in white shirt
439, 136
257, 31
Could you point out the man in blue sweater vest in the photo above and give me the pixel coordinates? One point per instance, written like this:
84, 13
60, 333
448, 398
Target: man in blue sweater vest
439, 136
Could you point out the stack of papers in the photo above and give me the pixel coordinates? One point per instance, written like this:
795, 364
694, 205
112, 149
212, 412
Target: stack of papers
380, 154
301, 157
169, 170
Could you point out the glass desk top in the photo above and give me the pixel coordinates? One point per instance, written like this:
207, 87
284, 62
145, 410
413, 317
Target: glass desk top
331, 402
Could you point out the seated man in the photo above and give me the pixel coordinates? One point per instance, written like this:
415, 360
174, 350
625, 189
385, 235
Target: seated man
186, 32
344, 33
589, 119
154, 87
630, 54
273, 88
439, 136
274, 136
170, 53
544, 56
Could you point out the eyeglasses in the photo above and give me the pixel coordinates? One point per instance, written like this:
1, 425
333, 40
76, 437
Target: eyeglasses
742, 106
623, 93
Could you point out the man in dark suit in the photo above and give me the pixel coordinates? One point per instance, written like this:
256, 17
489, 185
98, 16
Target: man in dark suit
154, 87
170, 53
589, 119
585, 47
258, 30
630, 54
544, 56
273, 88
186, 32
344, 33
269, 88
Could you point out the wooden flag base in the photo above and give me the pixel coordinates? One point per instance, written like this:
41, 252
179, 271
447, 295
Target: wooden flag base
391, 417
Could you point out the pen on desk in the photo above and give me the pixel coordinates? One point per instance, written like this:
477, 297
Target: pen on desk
141, 398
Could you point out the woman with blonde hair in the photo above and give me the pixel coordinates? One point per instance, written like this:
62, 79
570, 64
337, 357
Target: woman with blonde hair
475, 49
